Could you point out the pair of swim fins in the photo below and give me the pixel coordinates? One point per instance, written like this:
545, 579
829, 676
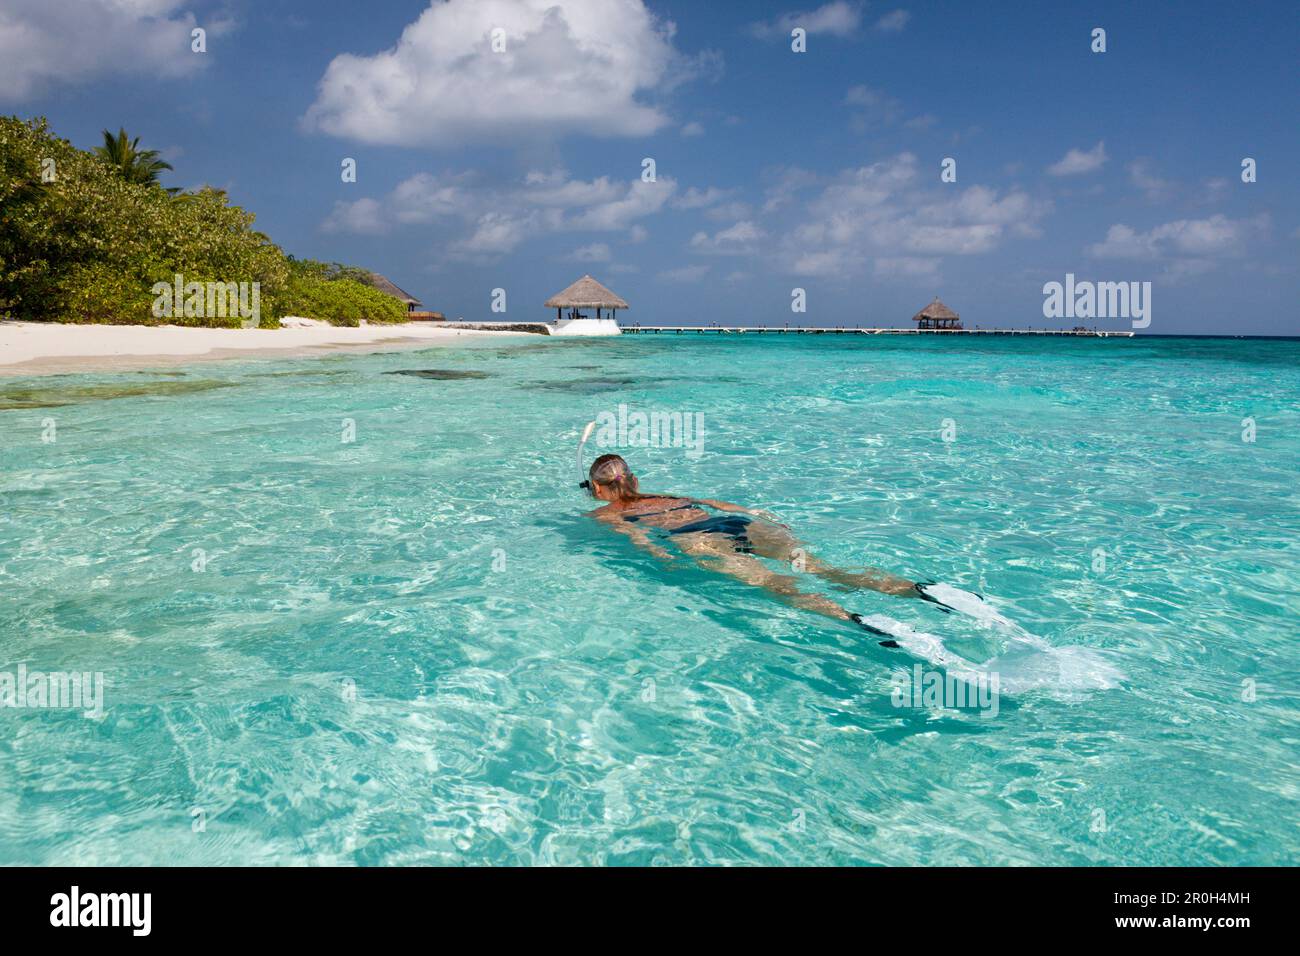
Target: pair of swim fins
944, 596
1028, 662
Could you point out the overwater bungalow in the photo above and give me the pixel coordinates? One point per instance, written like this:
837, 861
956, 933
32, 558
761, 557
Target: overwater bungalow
578, 300
936, 315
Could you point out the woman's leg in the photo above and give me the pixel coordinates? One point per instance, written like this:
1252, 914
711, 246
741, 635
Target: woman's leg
770, 541
715, 552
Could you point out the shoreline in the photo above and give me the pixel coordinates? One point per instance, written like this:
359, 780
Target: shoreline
49, 348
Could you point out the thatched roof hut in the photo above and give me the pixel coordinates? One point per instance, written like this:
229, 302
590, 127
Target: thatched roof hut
586, 293
388, 288
936, 315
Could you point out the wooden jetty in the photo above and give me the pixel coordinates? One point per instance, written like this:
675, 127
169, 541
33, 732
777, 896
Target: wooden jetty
857, 330
542, 328
935, 319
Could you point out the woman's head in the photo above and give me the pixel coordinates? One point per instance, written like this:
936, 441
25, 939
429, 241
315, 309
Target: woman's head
612, 479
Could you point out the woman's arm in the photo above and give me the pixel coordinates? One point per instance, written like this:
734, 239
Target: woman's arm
639, 537
738, 509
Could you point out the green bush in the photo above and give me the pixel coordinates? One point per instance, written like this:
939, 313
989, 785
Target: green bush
88, 246
337, 295
99, 292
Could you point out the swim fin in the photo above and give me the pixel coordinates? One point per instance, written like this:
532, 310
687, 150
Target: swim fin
950, 599
1031, 663
861, 622
920, 586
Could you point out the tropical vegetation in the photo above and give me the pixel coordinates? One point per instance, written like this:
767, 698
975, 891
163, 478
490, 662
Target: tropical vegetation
133, 164
85, 236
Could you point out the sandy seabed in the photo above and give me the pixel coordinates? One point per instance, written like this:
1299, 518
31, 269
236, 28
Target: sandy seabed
44, 348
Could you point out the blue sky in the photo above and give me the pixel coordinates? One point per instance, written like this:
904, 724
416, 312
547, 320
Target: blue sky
522, 169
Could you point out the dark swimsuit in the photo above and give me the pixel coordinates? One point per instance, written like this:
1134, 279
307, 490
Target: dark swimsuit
651, 514
734, 526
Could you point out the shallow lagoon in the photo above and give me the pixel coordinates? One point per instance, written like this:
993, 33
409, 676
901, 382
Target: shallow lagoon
412, 648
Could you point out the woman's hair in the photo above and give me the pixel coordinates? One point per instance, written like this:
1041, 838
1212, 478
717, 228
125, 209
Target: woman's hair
611, 471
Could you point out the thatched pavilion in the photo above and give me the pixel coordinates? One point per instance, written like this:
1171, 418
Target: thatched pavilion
388, 288
936, 315
586, 293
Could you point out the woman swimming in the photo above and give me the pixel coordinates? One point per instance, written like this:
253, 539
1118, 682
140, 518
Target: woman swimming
730, 539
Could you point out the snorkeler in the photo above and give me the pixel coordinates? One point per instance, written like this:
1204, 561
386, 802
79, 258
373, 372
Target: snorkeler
730, 539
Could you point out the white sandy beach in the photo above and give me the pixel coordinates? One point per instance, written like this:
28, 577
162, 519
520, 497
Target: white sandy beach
40, 348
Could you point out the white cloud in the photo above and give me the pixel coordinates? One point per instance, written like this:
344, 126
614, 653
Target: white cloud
864, 96
693, 129
422, 199
568, 66
495, 234
425, 198
493, 221
641, 199
555, 188
887, 211
738, 239
828, 262
364, 217
1214, 189
77, 41
1142, 176
1194, 239
685, 274
893, 22
906, 267
695, 198
786, 184
596, 252
870, 107
838, 18
729, 211
1078, 161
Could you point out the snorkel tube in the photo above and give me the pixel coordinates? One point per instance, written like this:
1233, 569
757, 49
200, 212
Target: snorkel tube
582, 472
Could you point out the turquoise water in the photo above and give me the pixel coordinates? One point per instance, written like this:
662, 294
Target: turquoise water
413, 648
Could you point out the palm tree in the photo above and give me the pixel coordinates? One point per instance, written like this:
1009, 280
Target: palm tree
134, 164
